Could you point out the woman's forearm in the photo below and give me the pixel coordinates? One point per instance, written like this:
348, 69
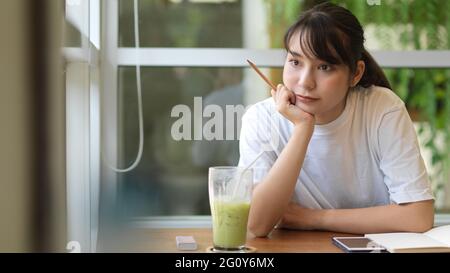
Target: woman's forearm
271, 197
411, 217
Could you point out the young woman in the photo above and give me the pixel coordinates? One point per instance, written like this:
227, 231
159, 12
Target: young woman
341, 150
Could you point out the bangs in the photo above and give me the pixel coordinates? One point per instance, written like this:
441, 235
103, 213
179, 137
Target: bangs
319, 38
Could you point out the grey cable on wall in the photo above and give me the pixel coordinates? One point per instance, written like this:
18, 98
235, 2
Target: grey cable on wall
139, 95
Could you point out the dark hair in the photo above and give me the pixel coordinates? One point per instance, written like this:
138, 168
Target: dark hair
333, 34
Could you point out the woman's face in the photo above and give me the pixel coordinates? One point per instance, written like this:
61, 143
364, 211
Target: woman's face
320, 87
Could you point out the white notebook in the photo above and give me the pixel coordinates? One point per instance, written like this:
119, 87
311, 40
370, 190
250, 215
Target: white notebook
435, 240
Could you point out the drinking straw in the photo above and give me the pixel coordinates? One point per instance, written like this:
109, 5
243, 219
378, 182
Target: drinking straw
236, 186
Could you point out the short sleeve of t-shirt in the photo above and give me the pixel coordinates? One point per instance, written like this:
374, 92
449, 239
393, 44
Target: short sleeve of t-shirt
256, 136
400, 160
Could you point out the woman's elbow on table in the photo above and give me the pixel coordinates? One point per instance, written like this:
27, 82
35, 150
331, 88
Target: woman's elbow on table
258, 232
259, 229
421, 216
428, 216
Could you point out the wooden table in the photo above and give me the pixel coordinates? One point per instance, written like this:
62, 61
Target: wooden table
279, 241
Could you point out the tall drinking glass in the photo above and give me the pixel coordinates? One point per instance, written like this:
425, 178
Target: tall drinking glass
230, 193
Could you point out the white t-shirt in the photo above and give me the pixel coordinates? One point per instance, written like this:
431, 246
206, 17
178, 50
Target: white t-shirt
368, 156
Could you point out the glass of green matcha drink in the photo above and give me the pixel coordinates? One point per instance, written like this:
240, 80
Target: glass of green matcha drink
230, 192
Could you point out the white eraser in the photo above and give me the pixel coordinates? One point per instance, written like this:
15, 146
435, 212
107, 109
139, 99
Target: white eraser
186, 243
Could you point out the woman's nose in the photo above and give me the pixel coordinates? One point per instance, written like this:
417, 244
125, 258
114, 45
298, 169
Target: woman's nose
306, 80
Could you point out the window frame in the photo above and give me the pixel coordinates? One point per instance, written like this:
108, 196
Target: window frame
83, 124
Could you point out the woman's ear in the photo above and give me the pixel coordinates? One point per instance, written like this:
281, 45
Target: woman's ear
360, 67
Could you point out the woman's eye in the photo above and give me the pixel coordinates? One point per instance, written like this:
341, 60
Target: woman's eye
294, 62
324, 67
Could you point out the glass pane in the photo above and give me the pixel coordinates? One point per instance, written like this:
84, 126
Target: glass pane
388, 25
182, 23
396, 25
403, 25
171, 178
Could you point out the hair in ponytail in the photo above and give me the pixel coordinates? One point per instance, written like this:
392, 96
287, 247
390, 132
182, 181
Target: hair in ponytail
333, 34
373, 74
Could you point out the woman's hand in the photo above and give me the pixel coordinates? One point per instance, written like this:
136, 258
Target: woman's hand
285, 101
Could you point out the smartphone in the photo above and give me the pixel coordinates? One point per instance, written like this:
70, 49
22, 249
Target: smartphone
357, 244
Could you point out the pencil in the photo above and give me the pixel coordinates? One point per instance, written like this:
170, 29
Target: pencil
262, 75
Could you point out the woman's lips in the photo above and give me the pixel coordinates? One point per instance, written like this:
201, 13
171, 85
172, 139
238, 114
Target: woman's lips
305, 99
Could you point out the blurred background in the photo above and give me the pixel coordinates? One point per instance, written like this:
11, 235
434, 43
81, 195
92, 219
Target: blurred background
70, 104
